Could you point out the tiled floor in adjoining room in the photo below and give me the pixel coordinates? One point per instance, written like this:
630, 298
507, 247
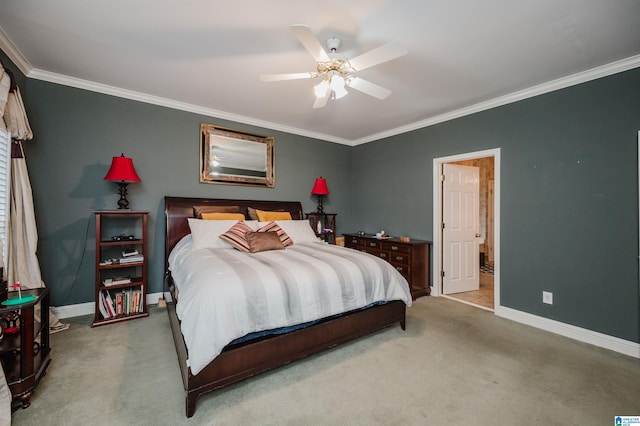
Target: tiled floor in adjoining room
482, 297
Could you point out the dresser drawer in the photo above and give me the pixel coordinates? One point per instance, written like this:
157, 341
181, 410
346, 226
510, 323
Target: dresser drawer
395, 247
398, 258
382, 254
351, 241
404, 270
371, 244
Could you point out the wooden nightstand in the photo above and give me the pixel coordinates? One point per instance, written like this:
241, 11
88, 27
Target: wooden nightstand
327, 222
24, 348
411, 259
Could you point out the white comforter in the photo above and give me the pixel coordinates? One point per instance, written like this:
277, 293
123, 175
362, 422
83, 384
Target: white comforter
224, 294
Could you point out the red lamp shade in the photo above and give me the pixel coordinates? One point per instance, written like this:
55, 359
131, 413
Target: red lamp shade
320, 187
122, 170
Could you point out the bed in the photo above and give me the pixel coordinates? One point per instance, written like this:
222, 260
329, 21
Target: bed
244, 357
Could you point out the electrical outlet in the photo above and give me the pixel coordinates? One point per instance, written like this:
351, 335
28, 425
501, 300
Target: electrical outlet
547, 297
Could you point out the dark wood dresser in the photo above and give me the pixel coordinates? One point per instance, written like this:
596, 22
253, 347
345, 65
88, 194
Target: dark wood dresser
411, 258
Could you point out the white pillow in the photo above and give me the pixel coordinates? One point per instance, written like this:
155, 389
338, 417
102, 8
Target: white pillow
205, 233
299, 230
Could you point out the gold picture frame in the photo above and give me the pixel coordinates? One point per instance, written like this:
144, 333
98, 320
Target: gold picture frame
234, 157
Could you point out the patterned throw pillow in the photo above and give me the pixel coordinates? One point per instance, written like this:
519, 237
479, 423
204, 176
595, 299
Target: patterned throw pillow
274, 227
236, 236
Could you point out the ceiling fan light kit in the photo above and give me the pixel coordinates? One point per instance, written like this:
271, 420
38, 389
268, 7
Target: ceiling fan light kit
336, 71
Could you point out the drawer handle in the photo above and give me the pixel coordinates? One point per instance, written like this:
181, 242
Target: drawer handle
399, 257
394, 247
399, 268
383, 255
372, 244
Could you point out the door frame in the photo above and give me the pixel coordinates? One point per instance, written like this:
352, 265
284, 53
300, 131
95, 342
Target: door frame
436, 289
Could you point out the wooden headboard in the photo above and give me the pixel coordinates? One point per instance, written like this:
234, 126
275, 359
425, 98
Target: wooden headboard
178, 209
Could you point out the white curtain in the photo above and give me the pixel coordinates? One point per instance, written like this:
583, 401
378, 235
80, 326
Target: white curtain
22, 240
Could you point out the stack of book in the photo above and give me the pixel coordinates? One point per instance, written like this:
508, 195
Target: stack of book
116, 280
135, 258
120, 303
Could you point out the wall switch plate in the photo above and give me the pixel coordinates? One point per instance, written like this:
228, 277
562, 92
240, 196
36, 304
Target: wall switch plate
547, 297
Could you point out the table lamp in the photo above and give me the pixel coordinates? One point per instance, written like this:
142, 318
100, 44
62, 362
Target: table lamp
122, 172
320, 189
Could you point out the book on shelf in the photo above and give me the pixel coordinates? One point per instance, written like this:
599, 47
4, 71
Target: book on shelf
131, 252
116, 281
102, 307
107, 303
119, 304
131, 259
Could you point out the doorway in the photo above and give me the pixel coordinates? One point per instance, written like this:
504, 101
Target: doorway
488, 296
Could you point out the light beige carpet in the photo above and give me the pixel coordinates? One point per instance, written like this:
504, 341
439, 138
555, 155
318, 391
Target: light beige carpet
454, 365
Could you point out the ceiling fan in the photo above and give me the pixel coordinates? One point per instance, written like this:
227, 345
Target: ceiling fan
338, 72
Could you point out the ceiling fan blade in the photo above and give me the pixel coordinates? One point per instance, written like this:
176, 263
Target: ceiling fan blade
376, 56
310, 42
281, 77
369, 88
322, 100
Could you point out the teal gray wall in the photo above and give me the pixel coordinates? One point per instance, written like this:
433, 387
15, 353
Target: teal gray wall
569, 200
77, 132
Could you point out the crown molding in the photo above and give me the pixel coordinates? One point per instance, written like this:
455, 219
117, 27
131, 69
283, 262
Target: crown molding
560, 83
14, 53
170, 103
598, 72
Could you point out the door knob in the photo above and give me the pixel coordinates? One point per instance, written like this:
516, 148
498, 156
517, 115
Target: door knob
477, 235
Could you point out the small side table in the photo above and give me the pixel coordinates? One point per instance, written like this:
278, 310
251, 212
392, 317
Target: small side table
24, 348
327, 223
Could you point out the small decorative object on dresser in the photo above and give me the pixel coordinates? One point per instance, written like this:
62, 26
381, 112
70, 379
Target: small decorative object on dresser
411, 258
121, 266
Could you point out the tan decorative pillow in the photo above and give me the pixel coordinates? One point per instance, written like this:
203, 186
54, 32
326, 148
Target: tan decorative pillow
222, 216
274, 227
198, 210
264, 216
253, 213
263, 241
236, 236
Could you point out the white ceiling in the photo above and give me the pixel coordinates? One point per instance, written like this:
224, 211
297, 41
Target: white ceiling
205, 56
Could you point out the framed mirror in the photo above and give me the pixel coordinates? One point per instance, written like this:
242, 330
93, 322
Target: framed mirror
234, 157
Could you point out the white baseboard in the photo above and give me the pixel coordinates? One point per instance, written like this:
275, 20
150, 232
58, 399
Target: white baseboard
80, 309
616, 344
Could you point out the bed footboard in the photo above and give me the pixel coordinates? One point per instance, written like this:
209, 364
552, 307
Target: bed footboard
249, 359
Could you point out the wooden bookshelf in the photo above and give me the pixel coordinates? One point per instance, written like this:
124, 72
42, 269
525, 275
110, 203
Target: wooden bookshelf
119, 231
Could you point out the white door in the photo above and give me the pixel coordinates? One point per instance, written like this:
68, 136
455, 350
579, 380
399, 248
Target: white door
461, 225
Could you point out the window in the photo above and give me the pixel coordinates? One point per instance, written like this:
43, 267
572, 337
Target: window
5, 183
